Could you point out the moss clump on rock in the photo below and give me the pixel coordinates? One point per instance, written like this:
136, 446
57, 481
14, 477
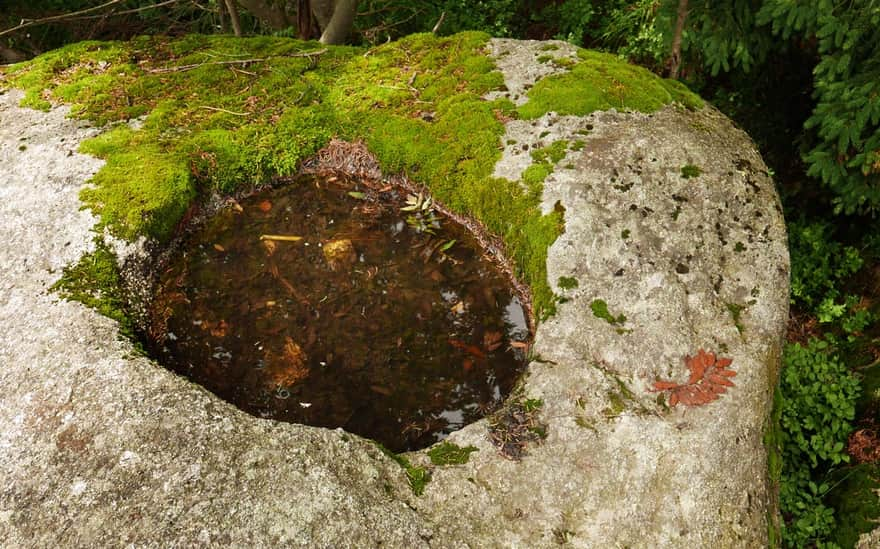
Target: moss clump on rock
96, 282
447, 453
223, 114
600, 82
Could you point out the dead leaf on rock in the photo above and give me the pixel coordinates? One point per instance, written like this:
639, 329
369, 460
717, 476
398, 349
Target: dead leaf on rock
709, 378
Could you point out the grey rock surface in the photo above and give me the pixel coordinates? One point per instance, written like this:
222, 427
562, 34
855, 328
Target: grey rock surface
101, 448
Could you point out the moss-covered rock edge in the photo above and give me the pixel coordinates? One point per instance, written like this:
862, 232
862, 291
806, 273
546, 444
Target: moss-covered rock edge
224, 114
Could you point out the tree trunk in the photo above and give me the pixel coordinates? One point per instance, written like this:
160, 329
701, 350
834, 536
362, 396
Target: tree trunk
323, 11
271, 12
303, 19
221, 14
675, 60
233, 16
339, 26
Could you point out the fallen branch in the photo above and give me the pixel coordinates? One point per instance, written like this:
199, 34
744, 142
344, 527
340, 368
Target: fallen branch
224, 110
281, 237
183, 68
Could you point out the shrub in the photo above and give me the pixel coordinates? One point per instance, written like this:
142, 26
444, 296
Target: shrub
819, 394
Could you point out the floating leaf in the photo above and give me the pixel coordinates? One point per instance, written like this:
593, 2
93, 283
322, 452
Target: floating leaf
219, 248
448, 245
357, 194
413, 203
265, 206
709, 377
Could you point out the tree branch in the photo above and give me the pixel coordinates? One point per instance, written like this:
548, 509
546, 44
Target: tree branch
82, 14
675, 58
232, 8
29, 23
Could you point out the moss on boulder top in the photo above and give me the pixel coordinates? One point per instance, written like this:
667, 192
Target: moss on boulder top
223, 114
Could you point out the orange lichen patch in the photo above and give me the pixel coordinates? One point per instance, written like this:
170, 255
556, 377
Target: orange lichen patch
710, 377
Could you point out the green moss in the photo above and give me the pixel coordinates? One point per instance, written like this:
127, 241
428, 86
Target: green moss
95, 282
447, 453
578, 145
855, 502
215, 122
772, 439
552, 154
418, 477
544, 58
735, 311
549, 47
564, 62
689, 170
532, 404
616, 405
142, 189
600, 310
601, 81
567, 283
534, 176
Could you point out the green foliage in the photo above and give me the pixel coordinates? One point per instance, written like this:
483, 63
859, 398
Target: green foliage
819, 265
447, 453
842, 136
572, 19
817, 409
567, 283
819, 402
392, 19
630, 30
854, 496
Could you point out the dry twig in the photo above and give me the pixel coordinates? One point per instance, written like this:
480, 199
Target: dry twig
183, 68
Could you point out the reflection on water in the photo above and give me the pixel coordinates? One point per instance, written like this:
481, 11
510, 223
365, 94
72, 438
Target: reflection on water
323, 303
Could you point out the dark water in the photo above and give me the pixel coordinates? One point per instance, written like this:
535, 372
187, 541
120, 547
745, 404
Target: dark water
375, 321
